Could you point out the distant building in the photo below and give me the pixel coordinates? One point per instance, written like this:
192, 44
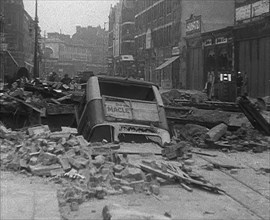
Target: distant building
121, 39
85, 50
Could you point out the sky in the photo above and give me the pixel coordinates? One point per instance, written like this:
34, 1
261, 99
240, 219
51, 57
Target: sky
65, 15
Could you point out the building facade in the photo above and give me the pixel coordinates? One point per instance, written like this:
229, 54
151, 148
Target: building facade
17, 38
121, 39
164, 31
252, 45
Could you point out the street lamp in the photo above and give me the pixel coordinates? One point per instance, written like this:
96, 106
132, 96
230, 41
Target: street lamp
36, 66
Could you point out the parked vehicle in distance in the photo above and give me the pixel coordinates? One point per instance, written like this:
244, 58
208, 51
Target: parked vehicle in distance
122, 110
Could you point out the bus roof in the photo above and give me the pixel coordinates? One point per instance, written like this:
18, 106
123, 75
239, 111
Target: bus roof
125, 80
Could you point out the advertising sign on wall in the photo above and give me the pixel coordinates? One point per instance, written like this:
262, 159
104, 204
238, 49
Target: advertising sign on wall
259, 8
243, 13
251, 10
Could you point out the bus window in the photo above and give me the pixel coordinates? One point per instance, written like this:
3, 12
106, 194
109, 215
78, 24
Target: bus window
127, 91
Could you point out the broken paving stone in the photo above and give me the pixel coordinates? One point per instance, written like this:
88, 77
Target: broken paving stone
69, 130
78, 163
137, 185
38, 130
59, 135
132, 173
118, 168
127, 189
100, 193
72, 142
48, 159
23, 164
82, 141
189, 162
99, 160
175, 150
57, 172
70, 153
118, 212
154, 189
216, 132
118, 175
64, 162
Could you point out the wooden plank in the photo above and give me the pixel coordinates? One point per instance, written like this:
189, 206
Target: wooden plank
24, 103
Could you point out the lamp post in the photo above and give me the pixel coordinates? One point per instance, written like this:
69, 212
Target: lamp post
2, 39
36, 66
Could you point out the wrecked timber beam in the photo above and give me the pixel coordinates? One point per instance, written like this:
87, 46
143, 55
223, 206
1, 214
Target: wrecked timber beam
212, 105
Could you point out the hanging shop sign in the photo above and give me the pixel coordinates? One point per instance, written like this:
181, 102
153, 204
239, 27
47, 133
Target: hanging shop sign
193, 25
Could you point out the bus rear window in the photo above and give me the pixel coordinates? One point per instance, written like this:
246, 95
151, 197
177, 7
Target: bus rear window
127, 91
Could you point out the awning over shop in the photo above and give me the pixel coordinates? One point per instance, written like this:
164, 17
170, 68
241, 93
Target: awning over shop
127, 58
168, 62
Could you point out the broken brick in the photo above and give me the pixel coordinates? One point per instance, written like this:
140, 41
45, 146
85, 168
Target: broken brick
38, 130
132, 173
155, 189
64, 162
127, 189
216, 132
118, 168
48, 159
40, 170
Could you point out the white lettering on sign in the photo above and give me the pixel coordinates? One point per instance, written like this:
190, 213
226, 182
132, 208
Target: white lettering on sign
118, 109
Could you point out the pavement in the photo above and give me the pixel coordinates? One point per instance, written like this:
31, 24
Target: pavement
22, 198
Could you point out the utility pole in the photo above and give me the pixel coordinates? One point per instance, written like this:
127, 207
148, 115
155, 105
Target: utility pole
2, 40
36, 62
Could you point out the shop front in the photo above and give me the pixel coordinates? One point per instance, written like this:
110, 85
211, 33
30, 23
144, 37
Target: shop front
218, 64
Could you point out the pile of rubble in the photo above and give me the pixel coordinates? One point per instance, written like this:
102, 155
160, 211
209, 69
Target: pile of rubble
92, 170
219, 137
36, 104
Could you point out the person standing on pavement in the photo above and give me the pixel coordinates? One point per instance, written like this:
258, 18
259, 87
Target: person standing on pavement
239, 83
245, 84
